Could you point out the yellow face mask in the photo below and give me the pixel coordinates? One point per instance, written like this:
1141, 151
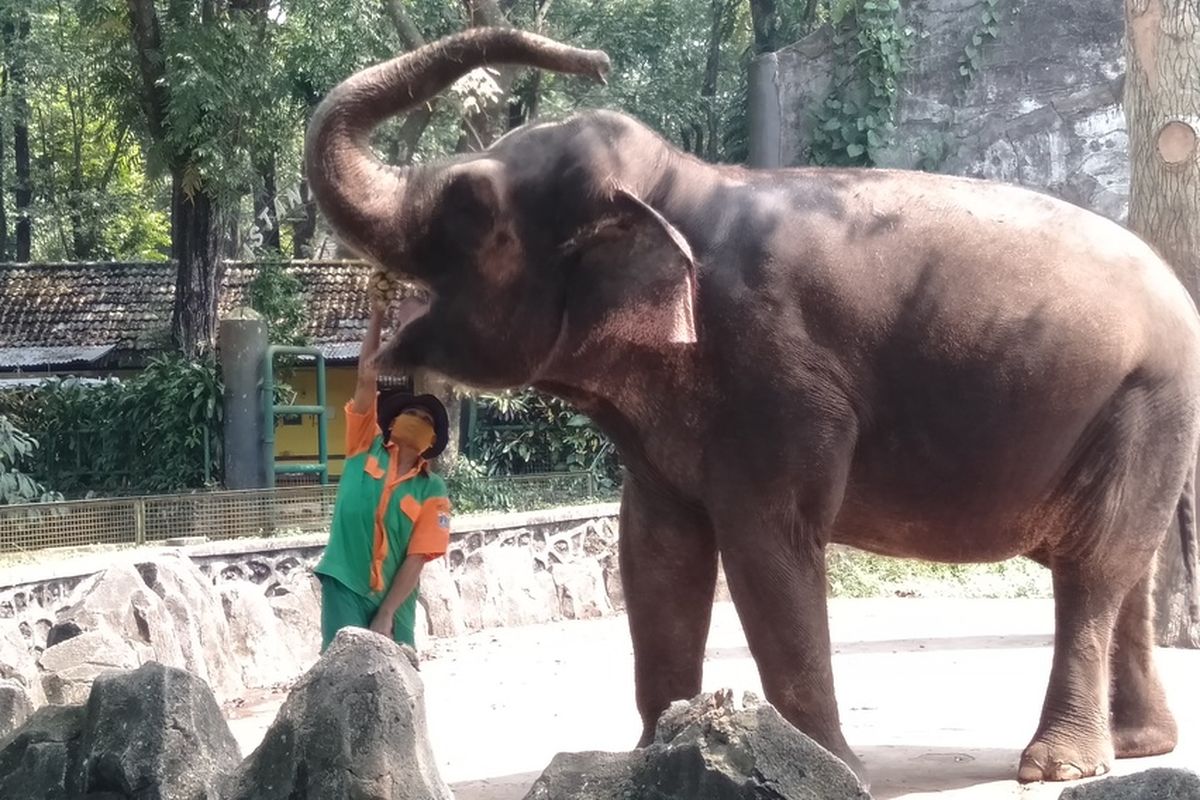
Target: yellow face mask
411, 430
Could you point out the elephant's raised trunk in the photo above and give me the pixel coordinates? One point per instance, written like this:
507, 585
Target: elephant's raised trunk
361, 196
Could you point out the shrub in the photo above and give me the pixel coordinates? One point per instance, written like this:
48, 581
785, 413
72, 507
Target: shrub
156, 432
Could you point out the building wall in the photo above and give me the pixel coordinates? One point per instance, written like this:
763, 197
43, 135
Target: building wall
296, 438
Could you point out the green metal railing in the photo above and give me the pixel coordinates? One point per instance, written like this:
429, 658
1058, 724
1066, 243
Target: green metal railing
272, 410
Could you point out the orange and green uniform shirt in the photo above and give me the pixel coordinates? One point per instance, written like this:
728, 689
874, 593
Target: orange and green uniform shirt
380, 518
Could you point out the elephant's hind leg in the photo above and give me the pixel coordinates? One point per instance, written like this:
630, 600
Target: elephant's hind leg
669, 574
1141, 723
1114, 511
1072, 740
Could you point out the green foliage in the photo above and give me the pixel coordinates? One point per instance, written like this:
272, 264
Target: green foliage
239, 86
858, 116
855, 573
659, 51
523, 432
92, 199
279, 296
473, 490
16, 450
156, 432
986, 32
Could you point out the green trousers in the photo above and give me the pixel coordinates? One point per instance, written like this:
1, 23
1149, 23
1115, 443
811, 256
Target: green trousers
343, 608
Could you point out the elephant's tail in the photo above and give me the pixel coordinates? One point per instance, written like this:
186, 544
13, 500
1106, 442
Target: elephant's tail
1186, 511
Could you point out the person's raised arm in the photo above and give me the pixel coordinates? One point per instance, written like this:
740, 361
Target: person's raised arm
379, 292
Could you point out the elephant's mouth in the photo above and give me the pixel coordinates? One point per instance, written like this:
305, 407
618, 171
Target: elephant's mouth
409, 310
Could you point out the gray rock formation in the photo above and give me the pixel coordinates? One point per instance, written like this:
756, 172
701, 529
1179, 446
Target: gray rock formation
582, 593
162, 610
498, 588
354, 726
440, 598
296, 602
1042, 111
71, 665
1161, 783
256, 637
195, 607
707, 748
17, 661
155, 733
15, 706
38, 759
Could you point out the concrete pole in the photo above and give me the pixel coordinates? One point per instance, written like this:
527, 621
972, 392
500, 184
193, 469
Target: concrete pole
243, 345
766, 117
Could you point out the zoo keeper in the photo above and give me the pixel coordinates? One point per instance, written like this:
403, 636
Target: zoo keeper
391, 514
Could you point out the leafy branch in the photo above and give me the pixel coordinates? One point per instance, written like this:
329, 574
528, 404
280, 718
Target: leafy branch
16, 448
858, 117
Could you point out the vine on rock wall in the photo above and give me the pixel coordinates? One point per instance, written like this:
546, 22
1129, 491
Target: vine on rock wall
970, 62
858, 116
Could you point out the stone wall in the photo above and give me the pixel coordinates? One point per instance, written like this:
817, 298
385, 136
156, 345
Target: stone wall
1044, 111
246, 614
501, 569
575, 544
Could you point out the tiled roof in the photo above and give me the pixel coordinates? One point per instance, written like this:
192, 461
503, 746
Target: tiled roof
84, 305
127, 307
39, 356
335, 298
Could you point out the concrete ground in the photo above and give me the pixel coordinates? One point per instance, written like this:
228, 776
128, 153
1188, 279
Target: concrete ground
937, 696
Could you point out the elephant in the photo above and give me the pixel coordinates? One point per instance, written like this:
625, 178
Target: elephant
912, 364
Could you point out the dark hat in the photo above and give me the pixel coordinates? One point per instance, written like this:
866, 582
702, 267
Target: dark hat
391, 404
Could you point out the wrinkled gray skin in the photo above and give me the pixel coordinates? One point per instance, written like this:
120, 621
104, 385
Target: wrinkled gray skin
912, 364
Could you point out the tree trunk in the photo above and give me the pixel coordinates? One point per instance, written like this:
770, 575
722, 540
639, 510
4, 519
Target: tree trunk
3, 168
196, 238
490, 121
765, 19
266, 207
16, 33
418, 119
1162, 109
304, 228
712, 69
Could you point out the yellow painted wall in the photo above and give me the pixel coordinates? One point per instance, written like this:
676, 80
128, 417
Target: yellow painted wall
299, 442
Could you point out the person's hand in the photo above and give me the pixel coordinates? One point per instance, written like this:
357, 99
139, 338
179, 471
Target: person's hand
382, 623
381, 290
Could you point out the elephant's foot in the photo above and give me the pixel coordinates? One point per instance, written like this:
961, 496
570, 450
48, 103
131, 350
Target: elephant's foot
1156, 733
1047, 761
856, 766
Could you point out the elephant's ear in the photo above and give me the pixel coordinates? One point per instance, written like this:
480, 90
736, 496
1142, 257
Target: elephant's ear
632, 278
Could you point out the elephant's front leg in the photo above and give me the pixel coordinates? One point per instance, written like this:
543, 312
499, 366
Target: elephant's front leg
669, 574
778, 586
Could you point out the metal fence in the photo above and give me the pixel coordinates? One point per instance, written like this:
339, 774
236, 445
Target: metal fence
256, 512
527, 492
158, 518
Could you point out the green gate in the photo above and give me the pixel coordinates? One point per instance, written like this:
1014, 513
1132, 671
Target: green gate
272, 410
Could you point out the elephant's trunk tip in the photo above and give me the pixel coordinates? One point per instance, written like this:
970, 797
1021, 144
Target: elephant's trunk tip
598, 66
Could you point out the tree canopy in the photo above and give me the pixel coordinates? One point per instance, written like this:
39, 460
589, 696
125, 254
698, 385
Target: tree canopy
116, 116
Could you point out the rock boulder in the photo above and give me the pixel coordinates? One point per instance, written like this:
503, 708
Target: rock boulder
353, 726
707, 748
203, 632
71, 665
37, 760
1161, 783
255, 636
155, 733
296, 601
15, 707
582, 593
